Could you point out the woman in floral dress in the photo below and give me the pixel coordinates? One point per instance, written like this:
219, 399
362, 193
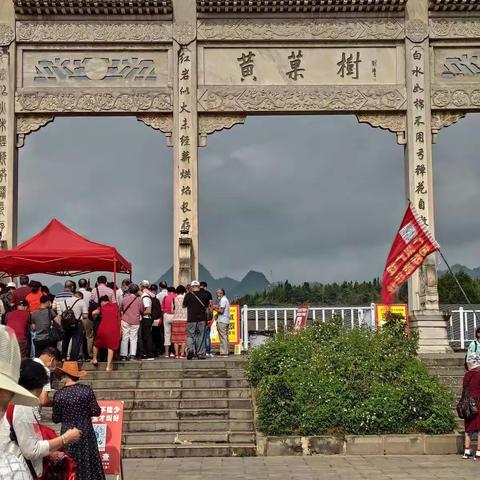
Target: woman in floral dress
74, 406
179, 328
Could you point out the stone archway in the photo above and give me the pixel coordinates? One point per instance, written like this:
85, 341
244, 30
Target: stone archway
189, 68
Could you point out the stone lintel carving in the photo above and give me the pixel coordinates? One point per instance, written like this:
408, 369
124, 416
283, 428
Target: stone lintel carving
94, 32
301, 98
454, 27
214, 123
394, 122
30, 123
7, 35
458, 96
162, 122
444, 119
306, 29
184, 33
97, 100
416, 30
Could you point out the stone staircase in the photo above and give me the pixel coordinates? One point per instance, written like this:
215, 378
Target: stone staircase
450, 370
180, 408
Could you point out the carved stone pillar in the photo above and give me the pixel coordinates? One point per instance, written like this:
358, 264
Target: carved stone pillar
8, 151
185, 143
423, 294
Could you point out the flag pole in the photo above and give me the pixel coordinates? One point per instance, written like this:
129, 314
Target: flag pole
454, 276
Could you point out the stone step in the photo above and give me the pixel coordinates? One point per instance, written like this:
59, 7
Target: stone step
188, 425
183, 438
444, 360
172, 364
203, 450
171, 393
170, 373
181, 414
180, 383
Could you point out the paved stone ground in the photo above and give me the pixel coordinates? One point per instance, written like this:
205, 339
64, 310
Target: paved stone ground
421, 467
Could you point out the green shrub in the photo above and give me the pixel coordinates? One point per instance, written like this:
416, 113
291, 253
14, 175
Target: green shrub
334, 380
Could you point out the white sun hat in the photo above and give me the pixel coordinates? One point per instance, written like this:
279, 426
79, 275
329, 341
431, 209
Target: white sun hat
10, 360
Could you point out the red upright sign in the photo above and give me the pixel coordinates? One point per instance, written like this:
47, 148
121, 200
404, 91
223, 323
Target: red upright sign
300, 318
108, 429
412, 244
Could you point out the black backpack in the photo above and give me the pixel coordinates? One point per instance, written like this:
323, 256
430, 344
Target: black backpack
68, 318
156, 309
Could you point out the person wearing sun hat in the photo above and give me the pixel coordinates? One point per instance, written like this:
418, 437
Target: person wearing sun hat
74, 406
10, 392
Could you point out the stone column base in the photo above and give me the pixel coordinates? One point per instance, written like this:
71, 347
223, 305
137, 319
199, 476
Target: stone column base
431, 327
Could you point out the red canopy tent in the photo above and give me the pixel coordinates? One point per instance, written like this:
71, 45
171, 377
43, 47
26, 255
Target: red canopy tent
57, 250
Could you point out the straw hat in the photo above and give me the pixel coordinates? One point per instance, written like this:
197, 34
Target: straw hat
10, 360
71, 368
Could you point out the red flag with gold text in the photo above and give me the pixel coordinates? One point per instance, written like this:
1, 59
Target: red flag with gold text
412, 244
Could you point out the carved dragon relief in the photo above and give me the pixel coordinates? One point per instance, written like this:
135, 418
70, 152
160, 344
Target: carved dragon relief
393, 122
27, 124
161, 122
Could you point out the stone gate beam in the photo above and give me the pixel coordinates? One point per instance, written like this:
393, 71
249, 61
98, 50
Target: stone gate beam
426, 317
185, 143
8, 153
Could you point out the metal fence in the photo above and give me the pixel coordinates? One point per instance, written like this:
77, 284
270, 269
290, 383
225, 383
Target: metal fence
462, 322
462, 325
273, 319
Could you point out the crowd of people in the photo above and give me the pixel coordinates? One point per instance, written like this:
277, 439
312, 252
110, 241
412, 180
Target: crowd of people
30, 450
40, 330
132, 322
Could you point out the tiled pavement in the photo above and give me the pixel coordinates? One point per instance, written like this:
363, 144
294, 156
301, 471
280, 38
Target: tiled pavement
304, 468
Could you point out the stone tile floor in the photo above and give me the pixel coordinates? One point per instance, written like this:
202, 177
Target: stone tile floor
329, 467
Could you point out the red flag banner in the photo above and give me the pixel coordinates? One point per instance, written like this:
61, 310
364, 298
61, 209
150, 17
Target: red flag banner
412, 244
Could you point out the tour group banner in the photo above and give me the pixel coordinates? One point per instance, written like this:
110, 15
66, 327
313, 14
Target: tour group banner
234, 331
108, 430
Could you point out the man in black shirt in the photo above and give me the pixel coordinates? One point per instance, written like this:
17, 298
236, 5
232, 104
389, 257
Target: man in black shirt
196, 302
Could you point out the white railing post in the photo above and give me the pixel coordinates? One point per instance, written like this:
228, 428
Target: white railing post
245, 327
462, 328
373, 315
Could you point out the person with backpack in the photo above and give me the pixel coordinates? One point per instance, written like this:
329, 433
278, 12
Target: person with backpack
70, 311
168, 307
196, 302
147, 322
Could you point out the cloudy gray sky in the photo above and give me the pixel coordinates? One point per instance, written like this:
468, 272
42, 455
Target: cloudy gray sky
297, 197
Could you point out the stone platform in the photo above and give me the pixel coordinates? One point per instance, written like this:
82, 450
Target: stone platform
320, 467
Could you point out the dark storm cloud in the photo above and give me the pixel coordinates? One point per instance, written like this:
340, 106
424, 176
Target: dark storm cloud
308, 198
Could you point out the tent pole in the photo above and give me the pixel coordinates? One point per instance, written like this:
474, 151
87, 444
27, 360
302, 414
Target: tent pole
115, 280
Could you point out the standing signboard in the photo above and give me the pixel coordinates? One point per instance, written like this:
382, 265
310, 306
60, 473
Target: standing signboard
300, 318
108, 430
234, 330
381, 312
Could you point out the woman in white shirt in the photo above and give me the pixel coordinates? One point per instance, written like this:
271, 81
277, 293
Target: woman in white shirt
29, 442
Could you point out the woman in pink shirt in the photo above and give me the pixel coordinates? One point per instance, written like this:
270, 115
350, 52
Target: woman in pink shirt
131, 309
168, 307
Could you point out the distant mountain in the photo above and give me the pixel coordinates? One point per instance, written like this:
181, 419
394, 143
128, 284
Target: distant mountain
252, 282
472, 272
